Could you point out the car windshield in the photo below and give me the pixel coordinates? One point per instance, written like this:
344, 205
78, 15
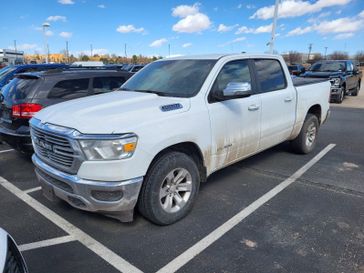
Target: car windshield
328, 66
6, 70
18, 89
173, 78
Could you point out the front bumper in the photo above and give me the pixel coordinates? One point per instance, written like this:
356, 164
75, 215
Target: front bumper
114, 199
335, 92
19, 141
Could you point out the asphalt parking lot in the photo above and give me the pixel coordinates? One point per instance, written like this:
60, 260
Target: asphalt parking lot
269, 213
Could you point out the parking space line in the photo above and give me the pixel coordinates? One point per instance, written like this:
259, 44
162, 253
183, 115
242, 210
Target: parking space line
200, 246
6, 151
33, 190
45, 243
99, 249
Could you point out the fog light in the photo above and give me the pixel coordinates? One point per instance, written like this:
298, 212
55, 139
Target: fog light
107, 195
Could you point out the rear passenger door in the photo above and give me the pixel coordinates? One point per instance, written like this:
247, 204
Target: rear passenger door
102, 85
278, 102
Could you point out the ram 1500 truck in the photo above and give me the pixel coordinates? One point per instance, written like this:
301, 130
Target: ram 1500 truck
169, 127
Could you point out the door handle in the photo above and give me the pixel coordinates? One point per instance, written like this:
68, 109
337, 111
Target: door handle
253, 107
288, 99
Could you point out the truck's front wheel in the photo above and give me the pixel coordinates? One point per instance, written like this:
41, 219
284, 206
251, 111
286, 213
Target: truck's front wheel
305, 142
169, 189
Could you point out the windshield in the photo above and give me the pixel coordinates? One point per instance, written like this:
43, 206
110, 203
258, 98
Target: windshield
174, 78
6, 70
328, 66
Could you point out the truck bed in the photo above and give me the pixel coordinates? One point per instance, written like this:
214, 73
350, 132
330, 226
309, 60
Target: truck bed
299, 81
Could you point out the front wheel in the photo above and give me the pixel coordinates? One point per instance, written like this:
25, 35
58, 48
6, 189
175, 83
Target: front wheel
169, 189
356, 90
305, 142
341, 96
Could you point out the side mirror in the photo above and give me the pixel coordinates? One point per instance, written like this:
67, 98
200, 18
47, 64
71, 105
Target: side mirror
237, 90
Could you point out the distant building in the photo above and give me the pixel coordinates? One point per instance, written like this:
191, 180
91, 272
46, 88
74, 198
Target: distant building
9, 56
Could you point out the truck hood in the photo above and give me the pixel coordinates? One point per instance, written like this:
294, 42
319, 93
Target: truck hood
327, 75
115, 112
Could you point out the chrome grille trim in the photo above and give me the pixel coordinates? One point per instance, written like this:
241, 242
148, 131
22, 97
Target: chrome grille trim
58, 148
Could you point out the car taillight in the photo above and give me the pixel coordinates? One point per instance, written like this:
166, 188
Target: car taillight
25, 110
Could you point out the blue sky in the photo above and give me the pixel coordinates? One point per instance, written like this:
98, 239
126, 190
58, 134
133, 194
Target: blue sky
190, 27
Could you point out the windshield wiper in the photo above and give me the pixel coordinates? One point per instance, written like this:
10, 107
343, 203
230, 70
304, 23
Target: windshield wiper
153, 92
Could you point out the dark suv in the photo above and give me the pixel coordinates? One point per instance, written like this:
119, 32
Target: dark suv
344, 75
28, 93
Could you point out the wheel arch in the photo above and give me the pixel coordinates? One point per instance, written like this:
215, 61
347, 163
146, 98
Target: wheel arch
315, 110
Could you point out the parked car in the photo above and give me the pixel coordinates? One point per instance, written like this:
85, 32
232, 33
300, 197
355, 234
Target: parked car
11, 260
8, 72
296, 69
345, 77
30, 92
176, 122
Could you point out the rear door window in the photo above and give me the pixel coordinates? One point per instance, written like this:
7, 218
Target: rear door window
270, 75
18, 89
107, 84
70, 89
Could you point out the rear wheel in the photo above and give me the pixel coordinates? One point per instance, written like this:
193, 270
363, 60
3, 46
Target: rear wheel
356, 90
341, 96
169, 189
305, 142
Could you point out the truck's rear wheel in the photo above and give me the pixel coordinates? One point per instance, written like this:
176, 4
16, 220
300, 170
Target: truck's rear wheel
305, 142
169, 189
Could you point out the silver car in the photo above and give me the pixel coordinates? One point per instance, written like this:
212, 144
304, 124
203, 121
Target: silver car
11, 260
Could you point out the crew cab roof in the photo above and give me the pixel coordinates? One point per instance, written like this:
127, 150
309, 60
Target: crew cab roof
72, 73
219, 56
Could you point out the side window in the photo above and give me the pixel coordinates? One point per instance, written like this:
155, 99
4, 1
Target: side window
107, 84
270, 75
349, 66
69, 89
235, 71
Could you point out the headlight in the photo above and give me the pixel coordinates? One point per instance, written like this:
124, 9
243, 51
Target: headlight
335, 81
109, 149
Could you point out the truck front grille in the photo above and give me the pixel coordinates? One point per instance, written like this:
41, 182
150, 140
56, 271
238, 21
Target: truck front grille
52, 148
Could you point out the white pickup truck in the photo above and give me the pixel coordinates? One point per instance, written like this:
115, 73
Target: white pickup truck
169, 127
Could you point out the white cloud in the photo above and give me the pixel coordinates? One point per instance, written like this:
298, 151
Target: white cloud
25, 46
101, 6
49, 33
261, 29
250, 6
128, 29
299, 31
187, 45
66, 2
339, 25
65, 34
240, 6
158, 43
56, 18
192, 19
344, 36
294, 8
185, 10
361, 14
224, 28
237, 40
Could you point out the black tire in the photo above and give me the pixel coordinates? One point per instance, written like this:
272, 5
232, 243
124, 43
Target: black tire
356, 90
150, 204
300, 144
341, 97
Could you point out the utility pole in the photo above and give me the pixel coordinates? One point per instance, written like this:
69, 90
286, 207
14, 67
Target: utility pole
15, 47
126, 56
274, 25
309, 52
326, 52
169, 50
47, 53
67, 53
91, 50
45, 26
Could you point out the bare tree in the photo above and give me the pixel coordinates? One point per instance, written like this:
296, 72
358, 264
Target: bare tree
294, 57
339, 55
359, 56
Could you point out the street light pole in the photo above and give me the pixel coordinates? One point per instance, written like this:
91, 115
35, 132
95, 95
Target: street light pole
274, 25
325, 52
45, 26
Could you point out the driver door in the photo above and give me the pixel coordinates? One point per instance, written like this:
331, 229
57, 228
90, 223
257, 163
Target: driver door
235, 123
